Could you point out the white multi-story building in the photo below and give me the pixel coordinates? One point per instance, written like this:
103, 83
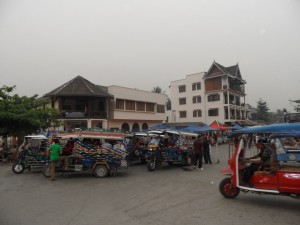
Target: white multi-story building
215, 95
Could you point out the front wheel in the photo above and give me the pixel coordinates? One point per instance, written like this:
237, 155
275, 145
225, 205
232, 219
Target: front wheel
227, 189
101, 171
46, 171
151, 165
18, 168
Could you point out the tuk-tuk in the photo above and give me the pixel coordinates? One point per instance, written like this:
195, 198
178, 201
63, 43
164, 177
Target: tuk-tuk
137, 146
281, 176
91, 156
169, 146
31, 154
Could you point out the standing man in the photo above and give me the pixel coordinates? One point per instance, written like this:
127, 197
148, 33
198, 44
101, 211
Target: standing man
198, 153
206, 150
55, 151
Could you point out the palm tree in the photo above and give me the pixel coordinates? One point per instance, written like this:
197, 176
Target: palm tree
157, 89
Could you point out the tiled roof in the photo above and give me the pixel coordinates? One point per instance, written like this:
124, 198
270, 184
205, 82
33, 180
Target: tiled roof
232, 70
79, 87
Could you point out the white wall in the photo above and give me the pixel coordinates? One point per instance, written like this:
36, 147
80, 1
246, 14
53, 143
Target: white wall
189, 106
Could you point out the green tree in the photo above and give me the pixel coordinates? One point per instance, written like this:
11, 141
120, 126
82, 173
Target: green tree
296, 104
157, 89
169, 104
20, 116
262, 110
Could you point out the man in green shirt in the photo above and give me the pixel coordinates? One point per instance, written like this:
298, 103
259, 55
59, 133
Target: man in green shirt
55, 151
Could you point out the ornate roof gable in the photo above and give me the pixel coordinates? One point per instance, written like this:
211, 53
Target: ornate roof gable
79, 87
217, 69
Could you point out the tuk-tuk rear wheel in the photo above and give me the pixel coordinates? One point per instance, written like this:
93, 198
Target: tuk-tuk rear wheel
227, 189
18, 168
46, 171
101, 171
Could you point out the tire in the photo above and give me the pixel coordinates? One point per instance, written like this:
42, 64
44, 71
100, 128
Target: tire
46, 171
227, 189
101, 171
151, 165
170, 163
18, 168
143, 161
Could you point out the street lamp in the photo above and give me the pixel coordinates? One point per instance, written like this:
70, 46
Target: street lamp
284, 114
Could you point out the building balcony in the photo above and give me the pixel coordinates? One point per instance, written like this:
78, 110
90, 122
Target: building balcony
83, 115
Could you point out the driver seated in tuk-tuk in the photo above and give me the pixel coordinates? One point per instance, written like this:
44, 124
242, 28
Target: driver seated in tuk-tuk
261, 159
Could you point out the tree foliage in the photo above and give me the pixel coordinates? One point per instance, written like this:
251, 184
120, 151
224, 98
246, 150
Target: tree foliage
157, 89
20, 116
262, 111
296, 104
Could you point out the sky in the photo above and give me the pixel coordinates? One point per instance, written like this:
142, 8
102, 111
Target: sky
147, 43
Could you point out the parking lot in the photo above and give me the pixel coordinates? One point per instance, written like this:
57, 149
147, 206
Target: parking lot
170, 195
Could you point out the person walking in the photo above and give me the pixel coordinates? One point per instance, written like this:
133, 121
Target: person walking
55, 151
198, 153
206, 151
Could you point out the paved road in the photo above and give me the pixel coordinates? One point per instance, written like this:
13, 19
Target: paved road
171, 195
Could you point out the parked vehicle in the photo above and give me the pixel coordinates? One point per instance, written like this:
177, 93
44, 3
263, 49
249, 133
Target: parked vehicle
31, 154
169, 147
137, 146
281, 177
101, 161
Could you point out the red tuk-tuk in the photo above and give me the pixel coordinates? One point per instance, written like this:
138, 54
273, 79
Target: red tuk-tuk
280, 177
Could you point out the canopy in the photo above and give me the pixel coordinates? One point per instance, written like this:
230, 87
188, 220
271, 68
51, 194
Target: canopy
207, 128
218, 127
273, 128
192, 128
236, 127
158, 127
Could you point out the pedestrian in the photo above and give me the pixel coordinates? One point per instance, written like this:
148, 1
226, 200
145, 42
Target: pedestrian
55, 151
206, 151
198, 153
3, 152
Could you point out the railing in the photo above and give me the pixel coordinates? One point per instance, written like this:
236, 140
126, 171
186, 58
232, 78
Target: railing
83, 115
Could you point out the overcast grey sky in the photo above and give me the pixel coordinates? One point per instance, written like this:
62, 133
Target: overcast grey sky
142, 44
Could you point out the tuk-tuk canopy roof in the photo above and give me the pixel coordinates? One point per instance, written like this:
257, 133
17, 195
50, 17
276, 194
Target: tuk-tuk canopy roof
35, 137
273, 128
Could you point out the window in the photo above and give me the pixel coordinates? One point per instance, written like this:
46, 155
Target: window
160, 109
196, 86
213, 112
182, 114
197, 99
141, 106
120, 104
197, 113
150, 107
130, 105
182, 101
213, 98
181, 88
